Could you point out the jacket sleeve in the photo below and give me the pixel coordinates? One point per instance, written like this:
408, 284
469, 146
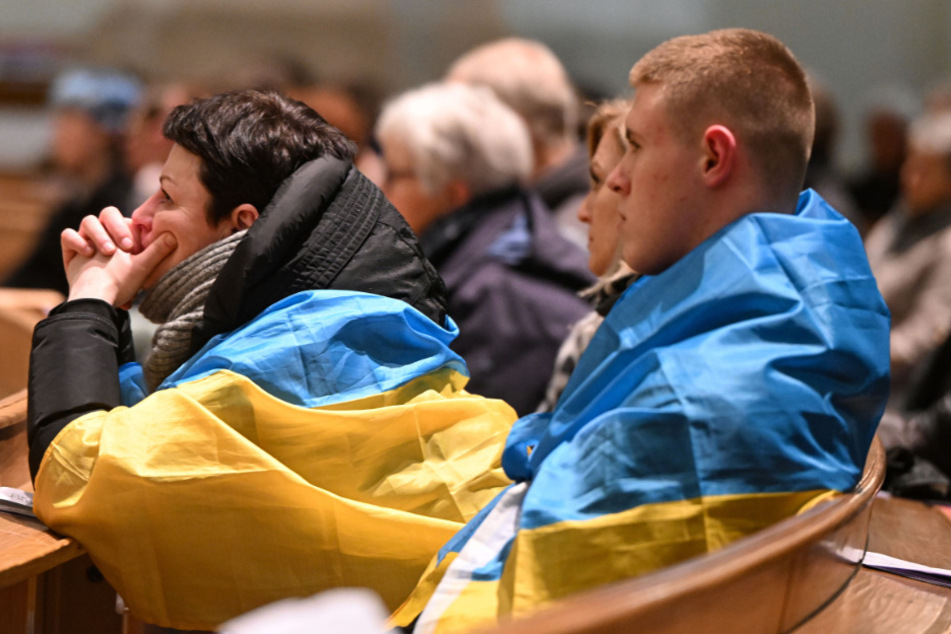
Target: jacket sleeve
929, 432
74, 368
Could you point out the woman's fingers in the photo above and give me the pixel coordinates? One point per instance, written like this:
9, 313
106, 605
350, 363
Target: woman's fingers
118, 227
91, 229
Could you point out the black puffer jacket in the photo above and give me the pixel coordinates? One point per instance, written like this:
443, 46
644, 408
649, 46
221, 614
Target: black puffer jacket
327, 227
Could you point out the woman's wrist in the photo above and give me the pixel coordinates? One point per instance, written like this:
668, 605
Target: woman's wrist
93, 287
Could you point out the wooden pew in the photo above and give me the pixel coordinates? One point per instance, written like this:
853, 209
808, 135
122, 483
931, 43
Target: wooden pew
803, 573
14, 471
47, 584
877, 602
20, 309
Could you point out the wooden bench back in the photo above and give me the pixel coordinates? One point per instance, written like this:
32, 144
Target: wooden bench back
20, 310
14, 468
16, 333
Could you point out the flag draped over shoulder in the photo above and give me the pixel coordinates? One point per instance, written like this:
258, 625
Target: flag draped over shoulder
329, 442
737, 388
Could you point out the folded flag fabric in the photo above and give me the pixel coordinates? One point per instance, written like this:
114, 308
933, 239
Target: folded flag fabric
327, 443
737, 388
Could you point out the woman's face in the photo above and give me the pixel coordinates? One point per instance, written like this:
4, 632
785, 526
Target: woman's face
599, 208
178, 207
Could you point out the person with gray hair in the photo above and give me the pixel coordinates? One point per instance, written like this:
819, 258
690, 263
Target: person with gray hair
456, 163
910, 252
529, 78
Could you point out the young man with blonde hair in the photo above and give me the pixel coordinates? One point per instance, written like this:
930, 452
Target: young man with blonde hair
737, 382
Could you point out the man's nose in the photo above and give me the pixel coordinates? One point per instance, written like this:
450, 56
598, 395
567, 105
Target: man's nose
618, 181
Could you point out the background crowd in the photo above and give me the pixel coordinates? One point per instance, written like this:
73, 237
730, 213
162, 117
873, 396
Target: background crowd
500, 136
500, 165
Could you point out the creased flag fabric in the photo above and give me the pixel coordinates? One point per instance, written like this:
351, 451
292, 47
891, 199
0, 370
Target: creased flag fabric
329, 442
737, 388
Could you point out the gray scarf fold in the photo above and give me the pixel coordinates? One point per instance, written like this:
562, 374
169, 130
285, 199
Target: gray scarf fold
177, 302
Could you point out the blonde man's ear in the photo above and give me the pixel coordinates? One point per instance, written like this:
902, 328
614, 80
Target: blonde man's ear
720, 155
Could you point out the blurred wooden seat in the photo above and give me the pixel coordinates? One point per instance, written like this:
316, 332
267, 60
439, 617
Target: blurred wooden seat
14, 469
47, 584
19, 312
773, 581
34, 303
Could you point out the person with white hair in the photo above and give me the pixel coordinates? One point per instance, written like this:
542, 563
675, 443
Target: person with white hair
530, 79
456, 161
910, 252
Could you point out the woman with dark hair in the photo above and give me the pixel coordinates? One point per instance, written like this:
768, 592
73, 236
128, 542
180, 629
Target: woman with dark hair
299, 423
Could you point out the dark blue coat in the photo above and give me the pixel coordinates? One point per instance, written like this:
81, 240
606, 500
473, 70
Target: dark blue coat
512, 281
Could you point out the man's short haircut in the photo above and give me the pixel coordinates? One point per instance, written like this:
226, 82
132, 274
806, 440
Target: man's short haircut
530, 79
456, 131
249, 141
746, 80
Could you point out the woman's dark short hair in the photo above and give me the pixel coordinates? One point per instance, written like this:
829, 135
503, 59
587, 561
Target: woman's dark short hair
249, 141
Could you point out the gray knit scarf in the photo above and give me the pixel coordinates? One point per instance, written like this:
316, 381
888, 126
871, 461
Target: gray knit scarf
177, 302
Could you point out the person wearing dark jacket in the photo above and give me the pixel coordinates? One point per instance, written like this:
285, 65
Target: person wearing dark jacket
90, 113
300, 411
456, 158
916, 432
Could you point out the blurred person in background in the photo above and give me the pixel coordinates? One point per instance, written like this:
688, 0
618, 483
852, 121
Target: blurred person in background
457, 159
351, 108
528, 77
146, 148
822, 173
877, 187
910, 252
605, 145
91, 109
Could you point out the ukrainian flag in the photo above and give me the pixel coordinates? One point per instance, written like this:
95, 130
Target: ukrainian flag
739, 387
327, 443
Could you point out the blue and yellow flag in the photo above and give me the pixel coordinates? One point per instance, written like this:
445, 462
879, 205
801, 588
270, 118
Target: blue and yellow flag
327, 443
737, 388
